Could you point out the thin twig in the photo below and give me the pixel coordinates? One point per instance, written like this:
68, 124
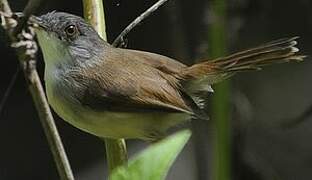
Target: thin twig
31, 7
26, 49
119, 41
9, 89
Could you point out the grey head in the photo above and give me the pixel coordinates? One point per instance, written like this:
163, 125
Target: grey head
66, 35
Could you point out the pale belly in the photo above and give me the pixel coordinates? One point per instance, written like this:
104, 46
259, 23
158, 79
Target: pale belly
147, 126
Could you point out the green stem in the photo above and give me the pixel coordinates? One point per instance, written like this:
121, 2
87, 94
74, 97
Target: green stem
93, 12
220, 103
116, 152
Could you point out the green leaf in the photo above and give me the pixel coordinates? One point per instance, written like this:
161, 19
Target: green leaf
154, 162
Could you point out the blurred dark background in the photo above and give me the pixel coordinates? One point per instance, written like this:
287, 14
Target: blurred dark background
271, 121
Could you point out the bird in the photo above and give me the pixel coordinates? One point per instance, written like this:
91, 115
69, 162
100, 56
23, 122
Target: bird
124, 93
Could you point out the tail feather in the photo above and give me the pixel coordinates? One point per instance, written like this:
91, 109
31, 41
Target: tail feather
267, 47
279, 51
196, 79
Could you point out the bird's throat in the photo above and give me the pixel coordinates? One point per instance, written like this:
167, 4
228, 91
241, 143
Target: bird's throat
54, 50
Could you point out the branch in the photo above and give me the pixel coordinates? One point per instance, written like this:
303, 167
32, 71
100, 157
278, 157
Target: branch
31, 6
119, 41
26, 49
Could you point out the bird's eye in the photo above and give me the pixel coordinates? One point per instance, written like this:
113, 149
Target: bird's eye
71, 30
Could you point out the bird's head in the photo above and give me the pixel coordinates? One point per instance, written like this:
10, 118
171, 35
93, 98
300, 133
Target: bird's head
63, 36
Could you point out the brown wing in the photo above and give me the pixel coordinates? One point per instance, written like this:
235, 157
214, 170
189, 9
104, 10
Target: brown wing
127, 80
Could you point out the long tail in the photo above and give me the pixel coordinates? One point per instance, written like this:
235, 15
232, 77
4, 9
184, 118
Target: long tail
279, 51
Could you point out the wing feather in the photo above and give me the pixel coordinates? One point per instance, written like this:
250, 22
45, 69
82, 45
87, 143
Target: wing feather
128, 80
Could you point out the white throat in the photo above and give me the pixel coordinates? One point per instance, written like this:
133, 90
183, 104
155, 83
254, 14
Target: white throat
53, 49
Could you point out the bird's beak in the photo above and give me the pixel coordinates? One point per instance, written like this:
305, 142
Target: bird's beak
37, 22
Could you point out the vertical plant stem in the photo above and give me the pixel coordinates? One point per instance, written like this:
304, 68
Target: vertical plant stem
93, 12
116, 151
220, 104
